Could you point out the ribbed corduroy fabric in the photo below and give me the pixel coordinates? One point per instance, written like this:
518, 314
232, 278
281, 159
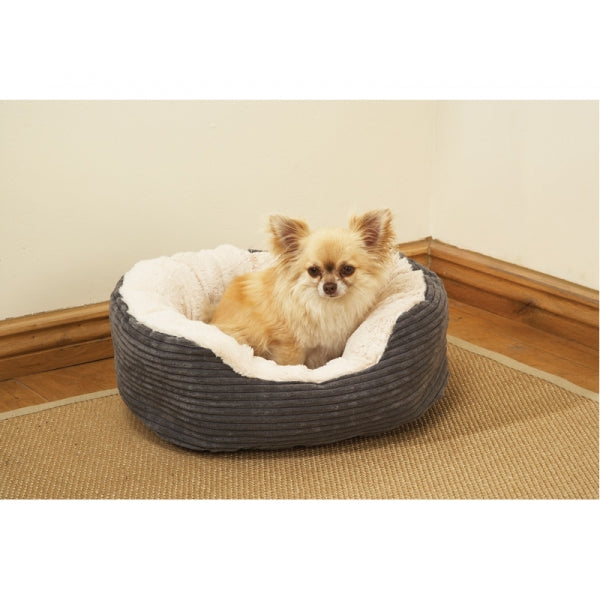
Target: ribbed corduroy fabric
190, 397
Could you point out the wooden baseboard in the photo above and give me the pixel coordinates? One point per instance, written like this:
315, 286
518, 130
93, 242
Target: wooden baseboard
52, 340
74, 336
553, 305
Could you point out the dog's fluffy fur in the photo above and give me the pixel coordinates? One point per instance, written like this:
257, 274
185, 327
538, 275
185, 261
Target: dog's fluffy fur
322, 286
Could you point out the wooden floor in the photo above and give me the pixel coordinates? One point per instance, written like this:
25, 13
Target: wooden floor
572, 361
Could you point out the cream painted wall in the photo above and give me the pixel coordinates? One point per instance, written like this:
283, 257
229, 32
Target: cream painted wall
519, 181
89, 188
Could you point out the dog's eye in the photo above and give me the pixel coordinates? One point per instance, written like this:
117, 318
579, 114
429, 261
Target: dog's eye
347, 270
314, 271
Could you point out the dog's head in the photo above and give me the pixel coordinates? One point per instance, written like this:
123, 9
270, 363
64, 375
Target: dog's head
334, 262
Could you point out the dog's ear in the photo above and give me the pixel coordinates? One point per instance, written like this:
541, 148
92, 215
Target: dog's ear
375, 229
286, 234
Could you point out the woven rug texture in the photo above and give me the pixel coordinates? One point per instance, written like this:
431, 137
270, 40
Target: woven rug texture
497, 433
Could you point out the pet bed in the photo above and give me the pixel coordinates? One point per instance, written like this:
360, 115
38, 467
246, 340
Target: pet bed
198, 388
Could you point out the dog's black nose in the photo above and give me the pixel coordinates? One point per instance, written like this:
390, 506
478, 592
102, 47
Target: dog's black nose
330, 288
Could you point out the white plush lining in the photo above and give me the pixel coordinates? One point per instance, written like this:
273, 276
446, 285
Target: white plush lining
174, 294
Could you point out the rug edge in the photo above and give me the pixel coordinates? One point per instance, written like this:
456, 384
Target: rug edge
27, 410
524, 368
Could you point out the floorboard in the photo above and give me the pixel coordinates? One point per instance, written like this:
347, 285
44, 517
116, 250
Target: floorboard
13, 394
73, 381
570, 360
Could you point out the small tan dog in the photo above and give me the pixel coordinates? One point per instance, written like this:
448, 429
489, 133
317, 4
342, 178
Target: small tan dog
304, 308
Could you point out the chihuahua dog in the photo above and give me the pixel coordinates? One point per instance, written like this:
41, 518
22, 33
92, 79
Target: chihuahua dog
303, 309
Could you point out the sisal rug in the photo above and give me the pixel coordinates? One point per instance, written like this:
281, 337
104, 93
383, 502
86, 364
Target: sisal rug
501, 431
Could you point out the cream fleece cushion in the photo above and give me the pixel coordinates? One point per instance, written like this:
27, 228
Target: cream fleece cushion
175, 295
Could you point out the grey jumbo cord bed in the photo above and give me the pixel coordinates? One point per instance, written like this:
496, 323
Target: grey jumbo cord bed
191, 397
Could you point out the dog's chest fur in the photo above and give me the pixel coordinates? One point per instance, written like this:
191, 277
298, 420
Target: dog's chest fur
325, 324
